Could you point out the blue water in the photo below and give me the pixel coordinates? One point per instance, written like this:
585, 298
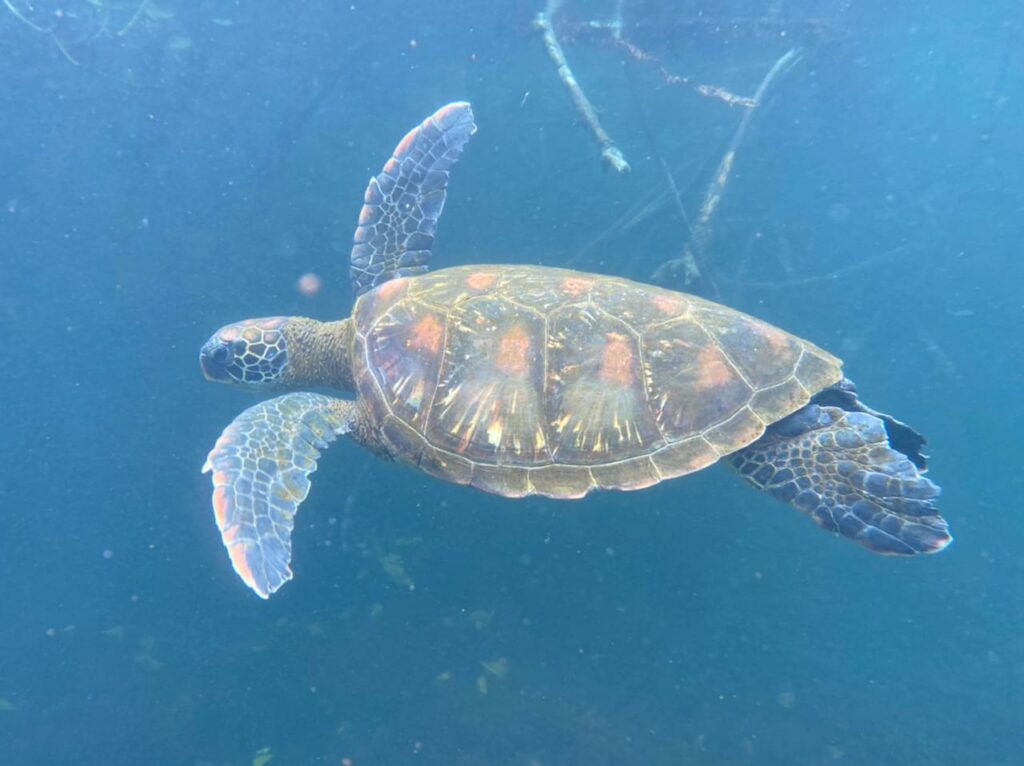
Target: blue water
167, 173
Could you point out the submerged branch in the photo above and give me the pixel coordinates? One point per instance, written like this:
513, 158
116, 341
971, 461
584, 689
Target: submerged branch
48, 31
100, 12
711, 91
610, 153
27, 22
687, 268
135, 17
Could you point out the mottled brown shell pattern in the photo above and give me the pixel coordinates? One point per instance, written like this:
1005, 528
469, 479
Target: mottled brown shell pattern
531, 380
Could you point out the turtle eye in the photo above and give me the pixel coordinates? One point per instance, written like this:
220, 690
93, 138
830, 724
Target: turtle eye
217, 360
221, 355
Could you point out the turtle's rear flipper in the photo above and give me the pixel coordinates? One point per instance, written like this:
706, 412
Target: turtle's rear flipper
260, 467
842, 469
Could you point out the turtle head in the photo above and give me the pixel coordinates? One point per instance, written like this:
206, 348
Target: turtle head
280, 353
252, 353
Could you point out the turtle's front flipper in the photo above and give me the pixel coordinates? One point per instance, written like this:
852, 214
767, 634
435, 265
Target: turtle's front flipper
260, 467
403, 203
843, 469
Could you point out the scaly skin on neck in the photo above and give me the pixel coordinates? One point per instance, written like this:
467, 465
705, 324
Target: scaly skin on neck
319, 353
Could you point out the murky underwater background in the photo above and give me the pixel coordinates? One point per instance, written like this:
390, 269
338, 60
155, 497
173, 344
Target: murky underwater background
169, 167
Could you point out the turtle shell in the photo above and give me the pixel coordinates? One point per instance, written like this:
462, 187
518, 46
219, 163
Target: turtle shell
530, 380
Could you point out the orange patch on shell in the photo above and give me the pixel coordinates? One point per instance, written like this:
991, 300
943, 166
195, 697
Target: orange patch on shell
480, 280
617, 360
776, 338
713, 371
427, 334
514, 352
229, 334
391, 288
575, 287
666, 305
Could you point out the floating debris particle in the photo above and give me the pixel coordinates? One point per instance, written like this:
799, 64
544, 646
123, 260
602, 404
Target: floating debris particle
395, 569
497, 668
179, 43
145, 656
148, 661
309, 284
838, 212
159, 14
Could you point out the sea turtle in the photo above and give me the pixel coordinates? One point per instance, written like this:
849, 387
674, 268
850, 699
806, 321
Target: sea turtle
525, 380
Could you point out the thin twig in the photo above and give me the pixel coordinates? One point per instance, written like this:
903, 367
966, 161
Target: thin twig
610, 153
688, 266
135, 17
669, 177
643, 207
616, 25
48, 31
809, 30
31, 25
831, 276
633, 216
64, 51
711, 91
